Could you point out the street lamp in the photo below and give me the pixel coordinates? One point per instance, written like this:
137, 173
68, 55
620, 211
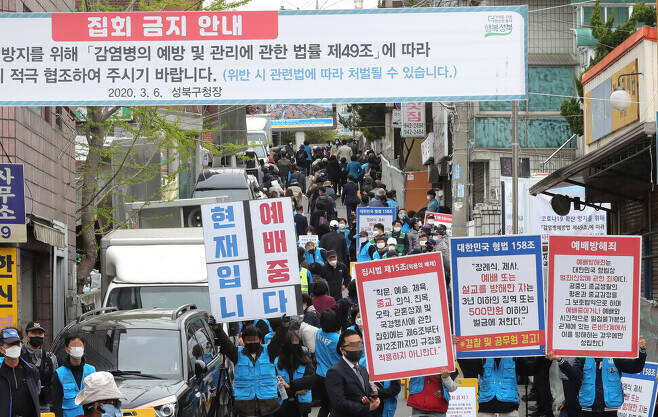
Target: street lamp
620, 99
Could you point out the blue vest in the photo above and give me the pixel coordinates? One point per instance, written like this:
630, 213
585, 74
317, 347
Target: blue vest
405, 227
613, 393
71, 389
433, 206
267, 337
499, 382
254, 380
346, 232
417, 384
363, 253
298, 374
390, 404
314, 257
325, 351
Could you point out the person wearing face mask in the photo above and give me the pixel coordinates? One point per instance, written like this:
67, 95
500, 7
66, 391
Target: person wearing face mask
45, 362
333, 241
413, 235
382, 248
404, 220
402, 243
344, 231
367, 249
69, 379
295, 373
19, 381
100, 397
378, 230
348, 383
337, 275
432, 204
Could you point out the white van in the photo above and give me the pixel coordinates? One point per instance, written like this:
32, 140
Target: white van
146, 268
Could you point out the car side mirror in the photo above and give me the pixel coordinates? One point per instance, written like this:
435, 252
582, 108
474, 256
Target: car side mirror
200, 368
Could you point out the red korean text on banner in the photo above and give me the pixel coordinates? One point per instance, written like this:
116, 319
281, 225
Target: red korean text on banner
404, 309
593, 296
164, 26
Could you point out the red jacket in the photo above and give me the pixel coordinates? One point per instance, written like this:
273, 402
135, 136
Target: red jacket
431, 397
324, 302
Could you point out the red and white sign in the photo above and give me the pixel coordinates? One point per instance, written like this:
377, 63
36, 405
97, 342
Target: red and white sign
413, 120
594, 296
406, 324
440, 218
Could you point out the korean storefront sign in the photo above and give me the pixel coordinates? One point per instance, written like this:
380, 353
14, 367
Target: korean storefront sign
251, 256
593, 296
639, 392
406, 322
498, 295
413, 120
8, 288
264, 57
12, 204
368, 217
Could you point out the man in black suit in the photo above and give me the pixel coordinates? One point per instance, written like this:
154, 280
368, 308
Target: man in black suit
347, 382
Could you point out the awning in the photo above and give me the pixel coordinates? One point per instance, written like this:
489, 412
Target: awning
621, 170
48, 235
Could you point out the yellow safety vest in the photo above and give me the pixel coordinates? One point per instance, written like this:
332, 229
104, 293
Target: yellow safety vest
303, 278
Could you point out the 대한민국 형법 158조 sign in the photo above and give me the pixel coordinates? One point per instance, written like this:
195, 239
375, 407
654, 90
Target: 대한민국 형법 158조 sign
594, 296
268, 57
498, 296
406, 322
368, 217
639, 392
251, 256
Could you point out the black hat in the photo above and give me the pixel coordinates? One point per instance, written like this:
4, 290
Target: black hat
34, 325
331, 254
363, 233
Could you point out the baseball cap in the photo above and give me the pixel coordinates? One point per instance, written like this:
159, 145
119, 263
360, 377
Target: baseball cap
363, 233
34, 325
10, 336
333, 223
392, 241
331, 254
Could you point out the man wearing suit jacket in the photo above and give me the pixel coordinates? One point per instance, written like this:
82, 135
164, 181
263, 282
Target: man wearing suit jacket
347, 382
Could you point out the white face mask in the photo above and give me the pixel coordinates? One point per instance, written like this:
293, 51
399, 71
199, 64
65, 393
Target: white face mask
363, 239
13, 352
358, 322
422, 242
333, 263
429, 198
77, 352
397, 229
431, 222
392, 247
381, 245
341, 226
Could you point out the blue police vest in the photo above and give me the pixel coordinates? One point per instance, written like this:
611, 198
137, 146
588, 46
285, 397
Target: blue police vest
314, 257
325, 351
71, 389
363, 253
613, 393
417, 384
499, 381
298, 374
254, 380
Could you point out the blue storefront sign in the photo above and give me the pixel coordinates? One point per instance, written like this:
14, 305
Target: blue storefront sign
12, 204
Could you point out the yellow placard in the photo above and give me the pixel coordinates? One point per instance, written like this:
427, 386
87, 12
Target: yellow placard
630, 84
47, 414
139, 412
8, 288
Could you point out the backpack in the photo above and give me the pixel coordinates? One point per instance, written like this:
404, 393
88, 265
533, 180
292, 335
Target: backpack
323, 222
300, 156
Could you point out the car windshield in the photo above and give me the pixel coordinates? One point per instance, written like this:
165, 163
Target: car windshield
259, 151
130, 298
132, 350
256, 137
233, 195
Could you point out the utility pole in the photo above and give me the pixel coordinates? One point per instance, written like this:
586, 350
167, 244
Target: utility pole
460, 191
515, 166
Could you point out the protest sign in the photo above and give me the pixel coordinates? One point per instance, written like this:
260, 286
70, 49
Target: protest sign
8, 288
464, 400
406, 324
368, 217
498, 294
263, 57
251, 258
593, 296
639, 392
439, 218
304, 239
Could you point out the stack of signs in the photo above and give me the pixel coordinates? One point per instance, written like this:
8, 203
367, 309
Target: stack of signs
368, 217
639, 392
406, 322
251, 255
498, 294
594, 296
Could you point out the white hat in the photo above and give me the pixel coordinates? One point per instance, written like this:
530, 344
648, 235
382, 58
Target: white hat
97, 387
333, 223
392, 241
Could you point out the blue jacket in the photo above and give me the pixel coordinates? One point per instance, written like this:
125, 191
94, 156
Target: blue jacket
417, 384
307, 148
298, 374
394, 204
254, 380
316, 256
270, 334
354, 169
433, 206
364, 254
71, 389
499, 382
325, 351
613, 392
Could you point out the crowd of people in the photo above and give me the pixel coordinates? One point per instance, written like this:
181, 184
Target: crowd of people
285, 366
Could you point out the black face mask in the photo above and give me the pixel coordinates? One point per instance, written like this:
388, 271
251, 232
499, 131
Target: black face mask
297, 349
36, 341
353, 355
252, 347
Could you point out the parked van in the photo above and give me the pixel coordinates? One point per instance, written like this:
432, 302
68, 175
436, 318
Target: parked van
230, 182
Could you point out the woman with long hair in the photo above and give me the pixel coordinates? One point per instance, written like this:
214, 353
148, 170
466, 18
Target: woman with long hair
296, 374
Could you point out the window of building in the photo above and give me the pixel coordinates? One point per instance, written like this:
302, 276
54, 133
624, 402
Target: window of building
46, 114
59, 116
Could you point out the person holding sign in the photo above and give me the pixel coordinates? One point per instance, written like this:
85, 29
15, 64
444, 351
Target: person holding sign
313, 254
430, 395
601, 393
348, 383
